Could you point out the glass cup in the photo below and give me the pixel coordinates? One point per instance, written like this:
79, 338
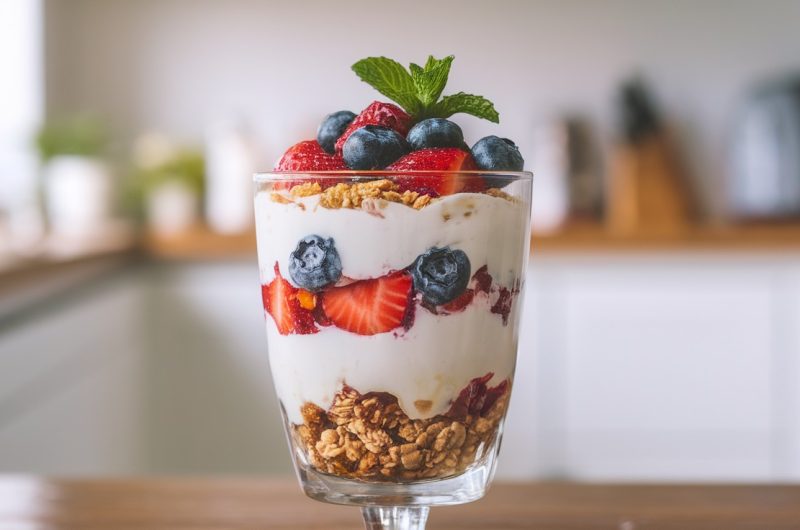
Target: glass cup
392, 305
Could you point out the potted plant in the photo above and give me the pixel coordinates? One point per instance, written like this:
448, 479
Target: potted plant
76, 181
171, 181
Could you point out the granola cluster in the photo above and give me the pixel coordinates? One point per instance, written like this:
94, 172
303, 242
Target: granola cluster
354, 194
370, 437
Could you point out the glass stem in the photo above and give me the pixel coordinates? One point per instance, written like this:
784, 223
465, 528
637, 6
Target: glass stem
395, 517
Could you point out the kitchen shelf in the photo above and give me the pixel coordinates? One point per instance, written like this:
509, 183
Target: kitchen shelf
201, 243
593, 237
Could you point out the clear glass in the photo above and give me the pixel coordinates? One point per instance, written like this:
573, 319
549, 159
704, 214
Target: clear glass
392, 304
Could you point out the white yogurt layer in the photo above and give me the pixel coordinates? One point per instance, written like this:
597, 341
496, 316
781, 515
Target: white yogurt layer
439, 354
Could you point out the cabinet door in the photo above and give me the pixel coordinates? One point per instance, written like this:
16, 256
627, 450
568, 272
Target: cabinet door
667, 371
70, 399
787, 376
211, 403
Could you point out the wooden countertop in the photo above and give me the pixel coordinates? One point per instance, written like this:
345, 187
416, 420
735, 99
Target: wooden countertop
238, 504
200, 243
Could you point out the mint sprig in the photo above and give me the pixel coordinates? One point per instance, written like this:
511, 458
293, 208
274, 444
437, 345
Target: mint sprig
419, 89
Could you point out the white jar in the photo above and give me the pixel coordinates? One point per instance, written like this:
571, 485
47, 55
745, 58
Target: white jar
78, 195
172, 208
230, 163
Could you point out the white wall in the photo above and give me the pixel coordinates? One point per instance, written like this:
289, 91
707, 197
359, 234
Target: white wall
21, 108
178, 64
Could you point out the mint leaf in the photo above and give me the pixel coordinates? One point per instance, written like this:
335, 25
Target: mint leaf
391, 79
433, 79
477, 106
432, 61
418, 77
419, 88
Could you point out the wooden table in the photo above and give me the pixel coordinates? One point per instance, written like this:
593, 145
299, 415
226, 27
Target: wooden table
236, 504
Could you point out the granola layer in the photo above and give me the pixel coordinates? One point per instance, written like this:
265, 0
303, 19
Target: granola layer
370, 437
354, 194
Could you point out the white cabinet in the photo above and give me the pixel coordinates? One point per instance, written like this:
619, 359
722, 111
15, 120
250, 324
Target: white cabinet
70, 386
160, 369
662, 368
210, 400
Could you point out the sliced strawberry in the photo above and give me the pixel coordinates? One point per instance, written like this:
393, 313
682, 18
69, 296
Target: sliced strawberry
308, 156
320, 317
493, 394
471, 398
378, 113
282, 303
476, 398
449, 159
368, 307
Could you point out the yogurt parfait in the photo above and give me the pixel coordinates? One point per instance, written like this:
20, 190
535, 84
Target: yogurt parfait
392, 256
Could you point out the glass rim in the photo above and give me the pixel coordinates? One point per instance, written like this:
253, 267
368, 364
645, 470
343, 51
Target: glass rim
269, 176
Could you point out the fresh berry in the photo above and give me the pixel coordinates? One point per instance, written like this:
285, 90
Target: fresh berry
497, 154
441, 274
315, 263
447, 159
476, 398
282, 303
373, 147
378, 113
332, 127
493, 394
320, 317
435, 132
308, 156
372, 306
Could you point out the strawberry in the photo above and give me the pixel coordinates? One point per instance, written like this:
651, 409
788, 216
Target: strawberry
493, 394
378, 113
438, 159
476, 398
368, 307
282, 303
308, 156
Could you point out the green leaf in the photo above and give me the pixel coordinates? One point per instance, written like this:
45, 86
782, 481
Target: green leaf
391, 79
477, 106
418, 77
419, 88
433, 79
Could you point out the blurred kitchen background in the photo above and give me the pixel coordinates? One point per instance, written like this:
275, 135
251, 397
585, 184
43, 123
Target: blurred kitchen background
661, 336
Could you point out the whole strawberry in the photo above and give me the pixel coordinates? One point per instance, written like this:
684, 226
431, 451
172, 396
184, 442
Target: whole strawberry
378, 113
427, 162
308, 156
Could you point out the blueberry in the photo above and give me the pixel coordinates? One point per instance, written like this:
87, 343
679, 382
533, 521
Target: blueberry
315, 263
497, 154
332, 127
441, 274
373, 147
435, 132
